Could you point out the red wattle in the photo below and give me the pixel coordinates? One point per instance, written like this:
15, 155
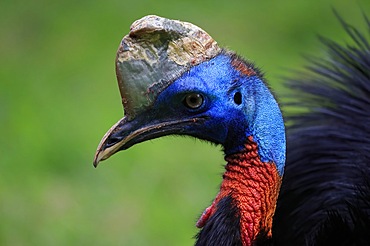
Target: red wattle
254, 187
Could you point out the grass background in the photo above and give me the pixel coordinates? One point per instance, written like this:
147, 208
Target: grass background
58, 96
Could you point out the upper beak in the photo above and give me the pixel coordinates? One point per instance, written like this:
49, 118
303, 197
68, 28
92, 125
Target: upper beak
107, 145
125, 134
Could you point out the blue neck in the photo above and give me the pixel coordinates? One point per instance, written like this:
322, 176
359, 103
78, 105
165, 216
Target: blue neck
262, 115
265, 123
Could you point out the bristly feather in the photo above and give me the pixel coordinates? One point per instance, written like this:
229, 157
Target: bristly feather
353, 230
223, 227
328, 149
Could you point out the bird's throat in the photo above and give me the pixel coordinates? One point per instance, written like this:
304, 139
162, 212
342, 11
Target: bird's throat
253, 186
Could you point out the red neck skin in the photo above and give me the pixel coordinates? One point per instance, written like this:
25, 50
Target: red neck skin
254, 188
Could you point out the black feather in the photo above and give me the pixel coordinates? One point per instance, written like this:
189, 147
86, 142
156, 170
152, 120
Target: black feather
223, 228
353, 230
325, 193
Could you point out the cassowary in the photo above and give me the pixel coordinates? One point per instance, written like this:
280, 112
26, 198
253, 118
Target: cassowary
174, 79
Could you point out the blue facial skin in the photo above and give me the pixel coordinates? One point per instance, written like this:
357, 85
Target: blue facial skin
229, 122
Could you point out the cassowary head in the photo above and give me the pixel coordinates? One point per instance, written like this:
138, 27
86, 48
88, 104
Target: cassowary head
174, 79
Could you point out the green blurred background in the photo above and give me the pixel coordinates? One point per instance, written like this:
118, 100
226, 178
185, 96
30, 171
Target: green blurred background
58, 96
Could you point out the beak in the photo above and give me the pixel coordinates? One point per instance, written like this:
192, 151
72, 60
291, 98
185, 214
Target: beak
125, 134
107, 145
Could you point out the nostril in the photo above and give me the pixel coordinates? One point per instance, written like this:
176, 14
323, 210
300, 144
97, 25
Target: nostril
112, 140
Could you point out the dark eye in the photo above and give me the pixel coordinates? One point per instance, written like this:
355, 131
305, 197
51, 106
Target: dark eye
193, 100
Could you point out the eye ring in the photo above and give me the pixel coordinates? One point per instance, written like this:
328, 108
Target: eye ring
193, 100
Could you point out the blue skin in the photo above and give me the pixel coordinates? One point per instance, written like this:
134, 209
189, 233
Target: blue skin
228, 123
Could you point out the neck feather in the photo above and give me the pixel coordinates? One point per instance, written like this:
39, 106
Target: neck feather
253, 187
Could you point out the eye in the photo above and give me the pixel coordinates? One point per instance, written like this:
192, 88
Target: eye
193, 100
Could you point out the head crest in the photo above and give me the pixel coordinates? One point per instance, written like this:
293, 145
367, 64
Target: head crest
155, 53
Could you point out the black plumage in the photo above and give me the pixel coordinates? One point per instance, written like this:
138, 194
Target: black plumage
223, 227
325, 195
